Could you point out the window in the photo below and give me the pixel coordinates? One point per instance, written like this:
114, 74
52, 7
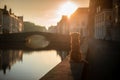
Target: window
116, 20
0, 18
116, 13
98, 9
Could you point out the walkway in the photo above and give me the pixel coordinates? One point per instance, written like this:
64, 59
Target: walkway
66, 70
103, 64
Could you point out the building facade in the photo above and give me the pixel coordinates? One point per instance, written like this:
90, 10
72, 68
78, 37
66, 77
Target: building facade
10, 23
116, 21
96, 8
103, 24
1, 18
116, 12
78, 21
91, 19
104, 19
63, 25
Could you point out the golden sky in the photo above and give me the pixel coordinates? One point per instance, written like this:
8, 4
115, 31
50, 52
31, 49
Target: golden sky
43, 12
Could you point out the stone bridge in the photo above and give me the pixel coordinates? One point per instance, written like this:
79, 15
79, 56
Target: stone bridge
56, 40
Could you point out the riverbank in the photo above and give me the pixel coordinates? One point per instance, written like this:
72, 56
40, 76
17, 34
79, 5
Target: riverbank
103, 63
66, 70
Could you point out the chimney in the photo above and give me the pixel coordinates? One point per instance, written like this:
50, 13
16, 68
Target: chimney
10, 10
5, 7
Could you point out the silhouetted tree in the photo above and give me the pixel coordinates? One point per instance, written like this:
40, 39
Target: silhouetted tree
30, 27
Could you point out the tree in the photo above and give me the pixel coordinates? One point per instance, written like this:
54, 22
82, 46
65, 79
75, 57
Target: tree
31, 27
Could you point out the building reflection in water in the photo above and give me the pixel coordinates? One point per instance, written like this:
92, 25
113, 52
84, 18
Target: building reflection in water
62, 54
9, 58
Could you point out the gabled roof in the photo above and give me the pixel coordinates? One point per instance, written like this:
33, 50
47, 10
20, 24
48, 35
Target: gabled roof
4, 11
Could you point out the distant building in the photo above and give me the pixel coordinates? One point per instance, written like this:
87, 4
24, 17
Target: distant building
63, 25
78, 21
52, 29
10, 23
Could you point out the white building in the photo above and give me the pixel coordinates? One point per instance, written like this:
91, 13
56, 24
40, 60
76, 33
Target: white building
9, 22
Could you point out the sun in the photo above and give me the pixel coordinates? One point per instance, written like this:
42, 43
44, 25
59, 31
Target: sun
67, 8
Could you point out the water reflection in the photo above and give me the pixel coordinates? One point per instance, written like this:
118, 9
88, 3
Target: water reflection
30, 59
24, 65
36, 42
62, 54
8, 58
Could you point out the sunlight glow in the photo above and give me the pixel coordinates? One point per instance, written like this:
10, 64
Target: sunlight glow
67, 8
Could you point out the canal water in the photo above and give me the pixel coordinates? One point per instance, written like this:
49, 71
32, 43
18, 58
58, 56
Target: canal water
28, 65
29, 60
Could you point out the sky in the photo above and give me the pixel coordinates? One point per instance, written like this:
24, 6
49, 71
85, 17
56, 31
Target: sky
43, 12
